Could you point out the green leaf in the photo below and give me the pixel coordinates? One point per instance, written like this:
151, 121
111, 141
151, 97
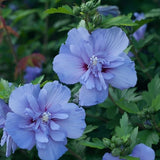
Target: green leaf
97, 143
89, 129
64, 9
125, 128
20, 14
153, 13
127, 106
118, 21
156, 103
133, 137
153, 90
5, 89
148, 137
38, 80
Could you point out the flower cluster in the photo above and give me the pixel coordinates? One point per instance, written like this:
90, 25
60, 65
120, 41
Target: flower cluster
96, 60
41, 117
139, 151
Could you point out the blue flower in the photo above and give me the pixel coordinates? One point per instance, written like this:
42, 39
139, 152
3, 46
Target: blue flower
10, 145
139, 34
108, 10
31, 73
139, 151
43, 117
95, 60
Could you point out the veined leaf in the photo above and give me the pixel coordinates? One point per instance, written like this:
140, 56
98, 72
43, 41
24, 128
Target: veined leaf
64, 9
153, 13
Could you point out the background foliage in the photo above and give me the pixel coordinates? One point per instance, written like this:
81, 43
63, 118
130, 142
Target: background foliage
132, 115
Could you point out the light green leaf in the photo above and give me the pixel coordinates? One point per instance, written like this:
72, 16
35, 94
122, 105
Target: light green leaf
125, 127
118, 21
89, 129
127, 106
153, 13
156, 103
148, 137
38, 80
64, 9
129, 158
97, 143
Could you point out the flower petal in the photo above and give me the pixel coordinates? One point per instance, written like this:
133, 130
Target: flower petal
18, 100
24, 138
124, 76
89, 97
52, 151
68, 67
143, 152
41, 137
114, 41
74, 125
108, 156
58, 135
56, 94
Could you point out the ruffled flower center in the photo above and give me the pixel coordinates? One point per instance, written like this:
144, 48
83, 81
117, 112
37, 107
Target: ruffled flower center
94, 60
46, 116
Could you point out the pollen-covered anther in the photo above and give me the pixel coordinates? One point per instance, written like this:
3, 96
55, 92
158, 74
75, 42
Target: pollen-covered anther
94, 60
45, 116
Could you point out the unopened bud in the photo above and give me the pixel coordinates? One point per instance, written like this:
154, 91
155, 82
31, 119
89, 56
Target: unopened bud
116, 152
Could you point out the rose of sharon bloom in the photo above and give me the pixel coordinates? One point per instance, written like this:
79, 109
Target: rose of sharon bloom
31, 73
139, 151
95, 60
139, 34
43, 117
10, 145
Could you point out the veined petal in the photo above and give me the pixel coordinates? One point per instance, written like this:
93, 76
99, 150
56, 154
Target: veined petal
124, 76
42, 99
56, 94
68, 67
52, 150
114, 41
4, 109
18, 101
41, 136
75, 36
58, 135
54, 126
24, 138
74, 125
90, 97
143, 152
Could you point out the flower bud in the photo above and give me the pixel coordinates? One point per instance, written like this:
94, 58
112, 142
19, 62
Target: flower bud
116, 152
107, 142
90, 5
84, 8
76, 10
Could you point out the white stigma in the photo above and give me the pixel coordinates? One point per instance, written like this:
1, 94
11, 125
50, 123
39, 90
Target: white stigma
46, 116
94, 60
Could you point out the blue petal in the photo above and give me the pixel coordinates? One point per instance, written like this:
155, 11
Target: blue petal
41, 136
89, 97
124, 76
114, 41
24, 138
143, 152
18, 101
68, 67
52, 151
74, 125
58, 135
108, 156
56, 94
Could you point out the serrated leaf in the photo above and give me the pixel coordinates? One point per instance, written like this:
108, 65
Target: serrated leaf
153, 13
148, 137
156, 103
64, 9
133, 137
127, 106
118, 21
125, 128
153, 90
97, 143
38, 80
